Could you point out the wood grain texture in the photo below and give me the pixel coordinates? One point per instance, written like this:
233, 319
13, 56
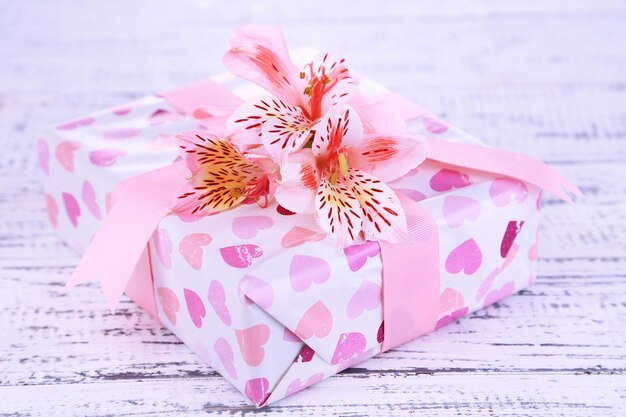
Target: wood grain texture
547, 79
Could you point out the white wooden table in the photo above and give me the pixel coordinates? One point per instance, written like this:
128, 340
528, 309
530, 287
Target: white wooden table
547, 79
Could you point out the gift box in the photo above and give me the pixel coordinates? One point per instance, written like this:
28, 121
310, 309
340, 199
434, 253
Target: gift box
270, 297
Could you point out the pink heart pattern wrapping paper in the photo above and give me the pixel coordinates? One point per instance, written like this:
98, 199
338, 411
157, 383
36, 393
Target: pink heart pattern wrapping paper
262, 295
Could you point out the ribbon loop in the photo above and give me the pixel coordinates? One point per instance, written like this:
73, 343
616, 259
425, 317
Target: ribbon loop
141, 203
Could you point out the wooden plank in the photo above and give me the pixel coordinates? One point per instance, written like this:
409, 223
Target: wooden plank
397, 395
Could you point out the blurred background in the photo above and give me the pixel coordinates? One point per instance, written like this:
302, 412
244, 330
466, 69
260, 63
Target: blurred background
536, 70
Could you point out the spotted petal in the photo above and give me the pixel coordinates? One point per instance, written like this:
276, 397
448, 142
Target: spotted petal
282, 128
388, 157
259, 54
328, 83
339, 213
383, 215
339, 128
300, 181
221, 176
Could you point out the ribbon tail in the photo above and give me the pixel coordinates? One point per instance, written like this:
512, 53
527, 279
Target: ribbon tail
141, 203
505, 163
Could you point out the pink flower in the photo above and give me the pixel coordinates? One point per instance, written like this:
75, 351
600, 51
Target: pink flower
283, 121
222, 177
341, 178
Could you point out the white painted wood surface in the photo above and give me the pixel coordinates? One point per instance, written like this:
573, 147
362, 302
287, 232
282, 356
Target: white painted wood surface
547, 79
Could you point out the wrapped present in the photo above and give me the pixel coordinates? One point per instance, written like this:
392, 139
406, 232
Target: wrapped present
303, 229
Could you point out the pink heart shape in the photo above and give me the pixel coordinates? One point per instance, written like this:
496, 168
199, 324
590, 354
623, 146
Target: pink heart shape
466, 257
534, 249
169, 302
457, 210
412, 194
226, 356
217, 299
247, 227
161, 116
367, 297
434, 125
380, 334
513, 228
283, 211
89, 198
305, 270
297, 236
71, 208
452, 317
350, 346
306, 354
43, 152
253, 288
257, 390
71, 125
447, 179
450, 300
241, 256
195, 307
53, 211
251, 342
296, 385
121, 111
105, 157
497, 295
357, 255
121, 133
190, 247
65, 154
316, 321
163, 245
505, 190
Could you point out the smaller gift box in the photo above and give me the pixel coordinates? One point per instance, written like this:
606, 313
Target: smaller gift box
301, 232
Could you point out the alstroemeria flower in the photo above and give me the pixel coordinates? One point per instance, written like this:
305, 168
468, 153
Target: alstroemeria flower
342, 178
283, 121
222, 177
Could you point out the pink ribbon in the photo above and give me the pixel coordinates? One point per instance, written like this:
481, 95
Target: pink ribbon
118, 254
411, 278
115, 251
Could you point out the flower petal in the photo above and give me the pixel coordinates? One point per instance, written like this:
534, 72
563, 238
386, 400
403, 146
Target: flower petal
245, 124
388, 157
300, 181
221, 177
377, 115
259, 54
383, 215
282, 128
339, 128
328, 83
339, 212
286, 129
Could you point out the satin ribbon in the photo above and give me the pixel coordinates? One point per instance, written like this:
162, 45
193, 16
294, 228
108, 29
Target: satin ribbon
118, 256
